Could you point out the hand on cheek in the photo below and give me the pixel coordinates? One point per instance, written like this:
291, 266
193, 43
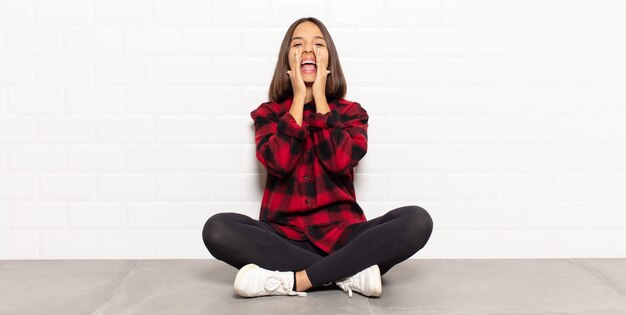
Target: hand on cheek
319, 86
297, 83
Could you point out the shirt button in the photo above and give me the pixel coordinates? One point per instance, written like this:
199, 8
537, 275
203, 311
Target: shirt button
305, 177
308, 151
306, 201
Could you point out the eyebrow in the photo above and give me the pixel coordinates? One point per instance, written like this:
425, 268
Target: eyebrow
298, 37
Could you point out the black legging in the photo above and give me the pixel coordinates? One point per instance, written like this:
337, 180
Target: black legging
387, 240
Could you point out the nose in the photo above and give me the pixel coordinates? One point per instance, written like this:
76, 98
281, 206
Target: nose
307, 48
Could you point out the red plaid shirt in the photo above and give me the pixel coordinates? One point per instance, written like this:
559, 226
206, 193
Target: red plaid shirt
309, 192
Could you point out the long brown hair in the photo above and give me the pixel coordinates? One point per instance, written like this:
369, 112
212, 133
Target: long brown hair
280, 88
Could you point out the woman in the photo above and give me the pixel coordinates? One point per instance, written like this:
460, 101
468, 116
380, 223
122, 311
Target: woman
311, 232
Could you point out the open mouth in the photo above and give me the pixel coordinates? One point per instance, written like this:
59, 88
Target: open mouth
308, 66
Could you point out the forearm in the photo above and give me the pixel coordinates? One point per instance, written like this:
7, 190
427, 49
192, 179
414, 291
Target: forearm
321, 105
297, 109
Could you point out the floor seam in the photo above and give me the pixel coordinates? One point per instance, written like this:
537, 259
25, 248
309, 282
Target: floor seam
108, 297
600, 276
369, 306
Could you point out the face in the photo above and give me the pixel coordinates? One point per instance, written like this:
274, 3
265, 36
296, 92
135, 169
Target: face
306, 36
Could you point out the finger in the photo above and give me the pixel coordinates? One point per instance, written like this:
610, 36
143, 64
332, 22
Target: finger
296, 59
318, 58
290, 61
300, 49
298, 54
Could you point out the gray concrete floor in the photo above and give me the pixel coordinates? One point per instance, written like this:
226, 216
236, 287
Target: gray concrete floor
420, 286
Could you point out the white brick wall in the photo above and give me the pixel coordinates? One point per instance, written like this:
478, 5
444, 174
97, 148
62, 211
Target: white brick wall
125, 124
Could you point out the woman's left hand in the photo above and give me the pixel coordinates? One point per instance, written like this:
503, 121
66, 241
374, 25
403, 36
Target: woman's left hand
319, 86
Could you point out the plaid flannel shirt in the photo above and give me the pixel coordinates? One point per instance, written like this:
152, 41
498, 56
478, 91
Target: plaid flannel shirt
309, 191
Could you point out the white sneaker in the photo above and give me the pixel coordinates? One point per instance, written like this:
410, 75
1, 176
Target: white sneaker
366, 282
253, 280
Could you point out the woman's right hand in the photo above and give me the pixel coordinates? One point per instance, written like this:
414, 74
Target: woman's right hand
297, 83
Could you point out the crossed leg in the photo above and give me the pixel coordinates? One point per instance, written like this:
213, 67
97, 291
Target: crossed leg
387, 240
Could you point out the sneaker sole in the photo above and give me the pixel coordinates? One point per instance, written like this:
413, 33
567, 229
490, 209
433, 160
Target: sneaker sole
242, 275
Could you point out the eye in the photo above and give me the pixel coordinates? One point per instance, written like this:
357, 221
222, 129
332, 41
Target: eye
320, 44
296, 45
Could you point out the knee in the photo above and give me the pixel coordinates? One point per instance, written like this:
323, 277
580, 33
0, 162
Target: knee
215, 232
417, 227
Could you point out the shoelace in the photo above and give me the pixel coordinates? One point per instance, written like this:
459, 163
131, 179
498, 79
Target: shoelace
345, 285
275, 282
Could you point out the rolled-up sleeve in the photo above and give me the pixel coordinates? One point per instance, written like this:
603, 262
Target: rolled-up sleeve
340, 139
278, 140
327, 120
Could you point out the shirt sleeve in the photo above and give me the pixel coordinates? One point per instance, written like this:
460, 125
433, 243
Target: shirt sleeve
340, 139
278, 140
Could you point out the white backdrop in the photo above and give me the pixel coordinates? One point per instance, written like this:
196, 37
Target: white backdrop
124, 124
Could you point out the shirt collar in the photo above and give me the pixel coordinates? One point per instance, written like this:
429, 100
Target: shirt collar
286, 104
